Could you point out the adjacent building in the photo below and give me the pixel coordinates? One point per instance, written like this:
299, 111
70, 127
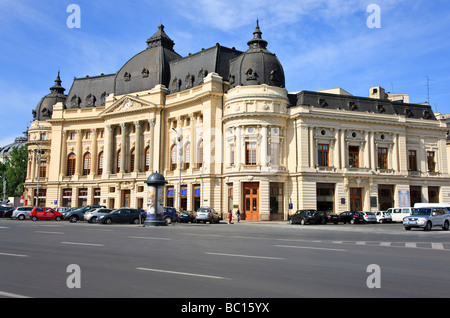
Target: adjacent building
222, 122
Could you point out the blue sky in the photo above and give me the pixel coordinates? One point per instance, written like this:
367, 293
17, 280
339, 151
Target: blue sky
320, 43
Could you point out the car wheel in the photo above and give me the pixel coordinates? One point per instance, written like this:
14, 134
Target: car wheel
34, 218
58, 218
108, 221
302, 222
136, 221
168, 220
21, 217
73, 219
427, 226
445, 227
291, 221
352, 221
93, 219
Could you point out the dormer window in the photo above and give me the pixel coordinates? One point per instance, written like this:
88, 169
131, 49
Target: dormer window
127, 76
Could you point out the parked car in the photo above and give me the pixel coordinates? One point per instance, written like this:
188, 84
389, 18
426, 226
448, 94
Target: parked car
383, 217
398, 214
45, 213
6, 211
186, 216
78, 214
427, 218
352, 217
170, 215
92, 215
62, 209
123, 215
206, 214
369, 217
22, 212
332, 217
309, 216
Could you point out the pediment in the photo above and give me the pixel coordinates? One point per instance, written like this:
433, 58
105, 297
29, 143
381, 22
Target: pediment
128, 104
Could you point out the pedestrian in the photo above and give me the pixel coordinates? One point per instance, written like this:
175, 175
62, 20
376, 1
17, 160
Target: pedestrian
238, 215
230, 216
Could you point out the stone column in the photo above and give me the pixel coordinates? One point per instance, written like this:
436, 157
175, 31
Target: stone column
138, 147
63, 158
94, 151
78, 153
108, 154
123, 148
151, 124
264, 145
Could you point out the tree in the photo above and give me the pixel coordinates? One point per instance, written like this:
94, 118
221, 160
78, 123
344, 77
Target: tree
15, 171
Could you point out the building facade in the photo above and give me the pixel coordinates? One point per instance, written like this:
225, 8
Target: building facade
223, 130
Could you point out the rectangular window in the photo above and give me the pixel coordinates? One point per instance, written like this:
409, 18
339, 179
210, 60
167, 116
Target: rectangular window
231, 155
322, 152
43, 169
412, 160
431, 161
250, 153
353, 156
382, 158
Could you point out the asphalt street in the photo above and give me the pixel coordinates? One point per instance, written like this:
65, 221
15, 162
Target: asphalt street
49, 259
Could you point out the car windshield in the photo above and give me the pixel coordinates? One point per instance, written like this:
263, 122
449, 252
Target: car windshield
421, 211
203, 210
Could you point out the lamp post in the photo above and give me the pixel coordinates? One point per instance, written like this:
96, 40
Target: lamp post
179, 168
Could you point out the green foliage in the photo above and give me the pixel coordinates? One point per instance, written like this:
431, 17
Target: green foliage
15, 172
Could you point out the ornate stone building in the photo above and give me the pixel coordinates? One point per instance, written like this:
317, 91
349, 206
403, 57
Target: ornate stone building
222, 122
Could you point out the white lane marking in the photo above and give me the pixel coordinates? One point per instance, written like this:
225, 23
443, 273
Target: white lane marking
87, 244
313, 248
48, 232
150, 238
16, 255
410, 244
248, 256
438, 246
181, 273
10, 295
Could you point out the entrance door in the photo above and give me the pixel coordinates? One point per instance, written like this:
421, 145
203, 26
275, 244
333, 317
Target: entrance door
126, 198
251, 201
355, 199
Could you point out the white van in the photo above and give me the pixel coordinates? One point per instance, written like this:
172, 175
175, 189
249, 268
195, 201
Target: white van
399, 213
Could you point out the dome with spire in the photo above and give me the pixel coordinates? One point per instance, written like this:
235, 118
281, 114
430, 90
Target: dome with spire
44, 108
149, 67
257, 65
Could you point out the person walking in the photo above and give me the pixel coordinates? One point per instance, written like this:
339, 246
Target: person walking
238, 215
230, 216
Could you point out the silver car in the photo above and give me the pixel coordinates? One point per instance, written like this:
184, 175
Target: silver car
427, 218
383, 216
206, 214
93, 215
22, 212
369, 217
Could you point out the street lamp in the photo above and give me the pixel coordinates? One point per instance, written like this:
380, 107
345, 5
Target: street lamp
179, 168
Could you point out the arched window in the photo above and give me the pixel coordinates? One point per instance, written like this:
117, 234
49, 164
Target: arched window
132, 157
187, 155
86, 163
200, 154
173, 157
147, 158
118, 162
71, 160
100, 163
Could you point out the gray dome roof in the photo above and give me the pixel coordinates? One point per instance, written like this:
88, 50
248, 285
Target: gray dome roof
257, 65
149, 67
44, 108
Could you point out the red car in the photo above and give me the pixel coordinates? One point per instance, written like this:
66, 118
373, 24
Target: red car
43, 213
